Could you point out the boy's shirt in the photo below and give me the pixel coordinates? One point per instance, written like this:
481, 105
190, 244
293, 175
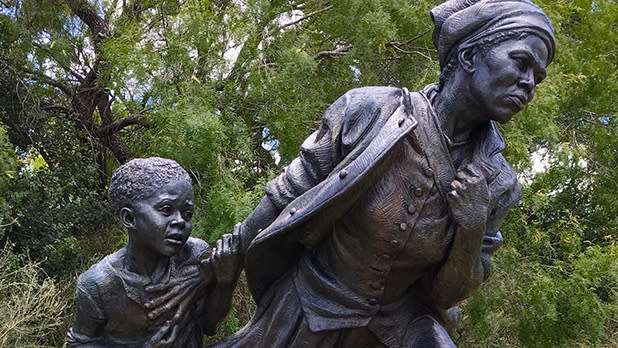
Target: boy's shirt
110, 302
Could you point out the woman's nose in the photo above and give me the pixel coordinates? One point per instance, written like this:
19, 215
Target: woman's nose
526, 81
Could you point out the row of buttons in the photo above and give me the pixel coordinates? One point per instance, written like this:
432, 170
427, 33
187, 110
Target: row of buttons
379, 286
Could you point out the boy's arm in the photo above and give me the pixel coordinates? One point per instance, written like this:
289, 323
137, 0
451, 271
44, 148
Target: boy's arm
87, 328
225, 264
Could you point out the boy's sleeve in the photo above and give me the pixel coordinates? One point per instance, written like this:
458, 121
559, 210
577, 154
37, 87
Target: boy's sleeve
89, 318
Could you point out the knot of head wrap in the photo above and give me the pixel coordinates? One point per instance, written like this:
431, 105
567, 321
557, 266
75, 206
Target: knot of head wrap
460, 24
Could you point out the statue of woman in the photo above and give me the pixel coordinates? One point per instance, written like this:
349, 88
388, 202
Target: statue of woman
389, 215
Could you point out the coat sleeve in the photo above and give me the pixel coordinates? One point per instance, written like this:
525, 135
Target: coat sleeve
317, 157
344, 125
505, 192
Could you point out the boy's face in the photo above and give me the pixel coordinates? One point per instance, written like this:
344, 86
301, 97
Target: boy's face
162, 221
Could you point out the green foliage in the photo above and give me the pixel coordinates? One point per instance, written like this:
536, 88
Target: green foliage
352, 44
8, 166
528, 304
52, 208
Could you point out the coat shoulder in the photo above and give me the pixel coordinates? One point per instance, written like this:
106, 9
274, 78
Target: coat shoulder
359, 109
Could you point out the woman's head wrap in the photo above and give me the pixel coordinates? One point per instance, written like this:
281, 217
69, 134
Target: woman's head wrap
460, 24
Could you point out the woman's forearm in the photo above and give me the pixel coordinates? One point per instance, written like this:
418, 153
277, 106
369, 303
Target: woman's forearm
462, 272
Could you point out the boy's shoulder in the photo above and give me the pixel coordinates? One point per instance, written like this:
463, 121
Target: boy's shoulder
101, 274
107, 274
100, 283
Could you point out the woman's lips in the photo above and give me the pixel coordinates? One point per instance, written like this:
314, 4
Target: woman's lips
518, 101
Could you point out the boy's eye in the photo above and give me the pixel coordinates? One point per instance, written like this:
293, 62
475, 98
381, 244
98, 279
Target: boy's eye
187, 215
166, 210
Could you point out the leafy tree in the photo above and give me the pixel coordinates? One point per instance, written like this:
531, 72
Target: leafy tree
55, 50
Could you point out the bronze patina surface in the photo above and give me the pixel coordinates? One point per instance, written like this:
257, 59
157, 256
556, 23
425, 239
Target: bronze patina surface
388, 217
164, 289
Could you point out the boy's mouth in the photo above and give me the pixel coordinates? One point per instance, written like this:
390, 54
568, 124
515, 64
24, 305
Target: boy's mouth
174, 238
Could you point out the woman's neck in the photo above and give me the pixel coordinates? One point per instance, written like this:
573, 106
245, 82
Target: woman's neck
457, 113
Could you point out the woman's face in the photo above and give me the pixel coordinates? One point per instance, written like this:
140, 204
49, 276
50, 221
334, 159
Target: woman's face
504, 78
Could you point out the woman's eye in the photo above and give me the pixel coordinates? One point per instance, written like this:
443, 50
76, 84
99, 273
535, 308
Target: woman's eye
521, 62
539, 77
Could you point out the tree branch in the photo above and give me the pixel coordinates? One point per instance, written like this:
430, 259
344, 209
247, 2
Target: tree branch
400, 43
122, 123
306, 17
400, 50
63, 66
397, 45
38, 76
339, 51
99, 27
55, 108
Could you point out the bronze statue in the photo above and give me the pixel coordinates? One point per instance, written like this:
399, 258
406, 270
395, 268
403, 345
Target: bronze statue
389, 216
133, 297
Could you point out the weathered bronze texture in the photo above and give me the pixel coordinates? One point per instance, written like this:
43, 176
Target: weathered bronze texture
389, 216
164, 289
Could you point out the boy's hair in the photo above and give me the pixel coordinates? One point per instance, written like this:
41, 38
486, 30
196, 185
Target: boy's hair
140, 177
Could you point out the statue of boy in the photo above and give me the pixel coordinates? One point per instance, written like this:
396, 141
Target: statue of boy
164, 289
387, 219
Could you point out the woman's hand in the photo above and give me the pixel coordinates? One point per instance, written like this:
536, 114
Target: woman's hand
469, 199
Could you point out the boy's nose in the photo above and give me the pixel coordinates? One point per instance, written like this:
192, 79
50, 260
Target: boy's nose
180, 224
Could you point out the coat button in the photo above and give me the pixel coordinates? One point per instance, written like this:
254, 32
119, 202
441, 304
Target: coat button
372, 301
429, 172
403, 226
418, 192
411, 208
292, 211
386, 256
395, 242
343, 174
400, 122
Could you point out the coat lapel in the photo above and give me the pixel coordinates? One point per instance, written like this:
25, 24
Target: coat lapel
298, 226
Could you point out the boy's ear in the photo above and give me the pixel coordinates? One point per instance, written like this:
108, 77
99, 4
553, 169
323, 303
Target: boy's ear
466, 59
127, 218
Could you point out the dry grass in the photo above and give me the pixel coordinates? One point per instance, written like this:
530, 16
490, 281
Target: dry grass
33, 311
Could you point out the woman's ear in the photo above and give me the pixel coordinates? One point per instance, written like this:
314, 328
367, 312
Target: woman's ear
466, 59
127, 218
